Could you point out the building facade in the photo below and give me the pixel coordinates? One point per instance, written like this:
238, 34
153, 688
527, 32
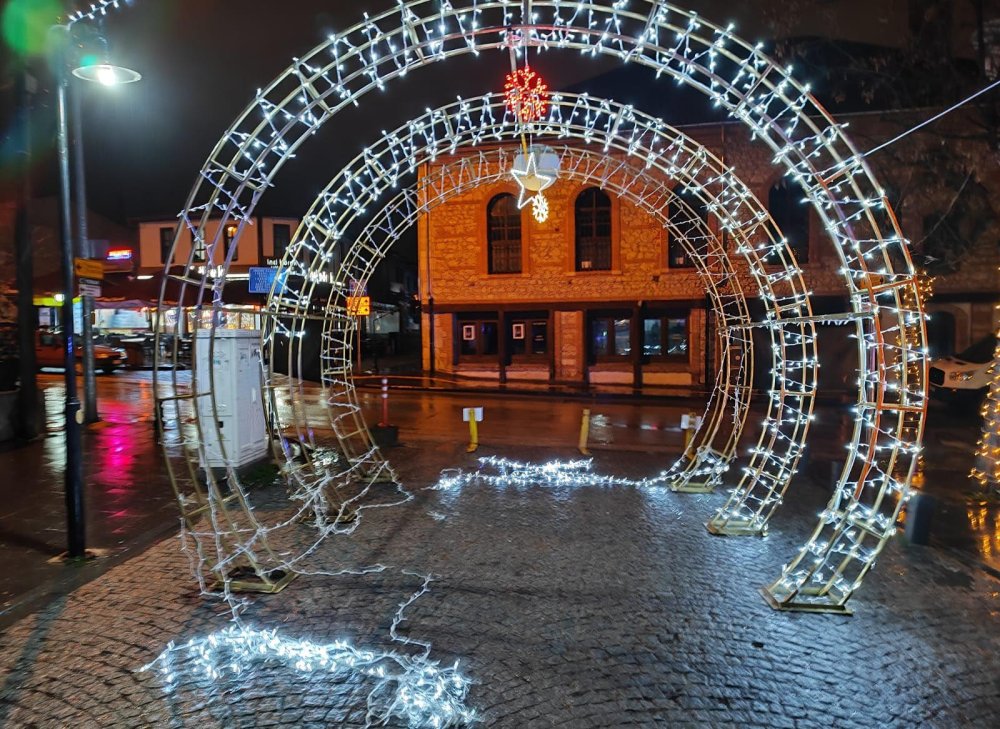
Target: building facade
599, 293
262, 243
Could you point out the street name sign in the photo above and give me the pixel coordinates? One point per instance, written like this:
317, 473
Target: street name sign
88, 268
90, 287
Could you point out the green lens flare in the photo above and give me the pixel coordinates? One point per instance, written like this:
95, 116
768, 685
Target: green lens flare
25, 24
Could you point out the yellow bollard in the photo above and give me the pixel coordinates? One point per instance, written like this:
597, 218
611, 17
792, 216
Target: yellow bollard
472, 415
473, 436
689, 424
584, 432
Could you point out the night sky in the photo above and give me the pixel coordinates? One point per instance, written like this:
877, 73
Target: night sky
202, 61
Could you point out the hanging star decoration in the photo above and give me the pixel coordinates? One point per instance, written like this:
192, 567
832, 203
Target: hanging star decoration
526, 94
530, 181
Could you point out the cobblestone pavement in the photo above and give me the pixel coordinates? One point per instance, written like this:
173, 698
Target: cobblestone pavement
576, 607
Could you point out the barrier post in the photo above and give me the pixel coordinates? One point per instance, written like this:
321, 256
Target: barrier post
584, 432
473, 416
385, 402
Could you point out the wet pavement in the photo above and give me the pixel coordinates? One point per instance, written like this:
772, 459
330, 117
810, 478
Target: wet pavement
129, 503
575, 606
563, 605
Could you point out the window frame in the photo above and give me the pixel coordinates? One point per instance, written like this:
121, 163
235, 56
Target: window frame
528, 319
275, 253
610, 317
594, 225
689, 196
491, 242
199, 253
165, 250
230, 233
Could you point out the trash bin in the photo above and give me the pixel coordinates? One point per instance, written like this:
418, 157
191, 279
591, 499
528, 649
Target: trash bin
919, 511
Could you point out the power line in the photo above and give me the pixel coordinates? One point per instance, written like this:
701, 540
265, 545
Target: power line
933, 119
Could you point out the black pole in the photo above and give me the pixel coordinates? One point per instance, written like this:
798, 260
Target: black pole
29, 413
75, 528
90, 414
430, 325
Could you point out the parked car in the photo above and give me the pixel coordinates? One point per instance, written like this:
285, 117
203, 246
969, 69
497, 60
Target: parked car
964, 378
49, 349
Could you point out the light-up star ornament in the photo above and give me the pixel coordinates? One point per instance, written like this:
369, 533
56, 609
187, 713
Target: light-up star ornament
531, 181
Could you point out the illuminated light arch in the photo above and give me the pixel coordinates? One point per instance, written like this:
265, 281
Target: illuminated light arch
335, 215
704, 459
884, 306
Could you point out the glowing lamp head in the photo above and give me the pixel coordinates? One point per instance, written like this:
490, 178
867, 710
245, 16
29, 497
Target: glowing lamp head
107, 74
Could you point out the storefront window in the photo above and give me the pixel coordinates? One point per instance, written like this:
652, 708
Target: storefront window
665, 337
478, 338
610, 337
529, 337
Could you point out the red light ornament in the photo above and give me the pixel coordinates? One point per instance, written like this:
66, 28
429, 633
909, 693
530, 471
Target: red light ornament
526, 94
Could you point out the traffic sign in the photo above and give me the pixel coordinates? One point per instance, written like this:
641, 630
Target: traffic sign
87, 268
359, 305
90, 287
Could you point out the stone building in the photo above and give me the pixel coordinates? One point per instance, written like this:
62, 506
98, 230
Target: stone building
599, 293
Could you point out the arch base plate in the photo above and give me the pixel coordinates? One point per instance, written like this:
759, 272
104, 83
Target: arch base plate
804, 607
735, 528
248, 580
693, 487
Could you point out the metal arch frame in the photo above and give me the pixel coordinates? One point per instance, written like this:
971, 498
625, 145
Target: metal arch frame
377, 169
720, 192
751, 87
461, 175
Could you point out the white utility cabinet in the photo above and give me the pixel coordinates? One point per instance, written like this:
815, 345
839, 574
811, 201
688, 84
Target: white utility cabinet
231, 369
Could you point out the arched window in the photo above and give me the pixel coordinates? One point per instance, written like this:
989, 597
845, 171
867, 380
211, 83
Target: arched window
593, 230
503, 234
791, 215
685, 211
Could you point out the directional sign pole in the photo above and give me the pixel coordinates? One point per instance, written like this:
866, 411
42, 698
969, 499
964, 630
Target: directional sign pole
76, 534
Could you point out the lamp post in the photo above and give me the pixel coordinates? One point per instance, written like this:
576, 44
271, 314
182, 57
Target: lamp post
108, 75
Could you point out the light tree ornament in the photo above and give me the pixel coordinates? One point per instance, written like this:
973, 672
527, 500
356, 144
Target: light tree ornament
527, 95
805, 142
987, 469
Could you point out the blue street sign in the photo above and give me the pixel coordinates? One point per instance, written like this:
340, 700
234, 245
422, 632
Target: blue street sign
261, 279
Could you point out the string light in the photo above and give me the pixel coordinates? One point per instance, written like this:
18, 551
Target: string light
409, 689
986, 472
747, 85
96, 11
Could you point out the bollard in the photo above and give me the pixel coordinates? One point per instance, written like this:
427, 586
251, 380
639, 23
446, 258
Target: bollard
473, 416
385, 402
584, 432
690, 422
919, 511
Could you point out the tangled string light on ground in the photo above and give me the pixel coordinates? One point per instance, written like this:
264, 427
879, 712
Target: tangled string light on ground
508, 473
412, 689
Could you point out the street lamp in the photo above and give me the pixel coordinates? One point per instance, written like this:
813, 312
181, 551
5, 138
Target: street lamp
106, 74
